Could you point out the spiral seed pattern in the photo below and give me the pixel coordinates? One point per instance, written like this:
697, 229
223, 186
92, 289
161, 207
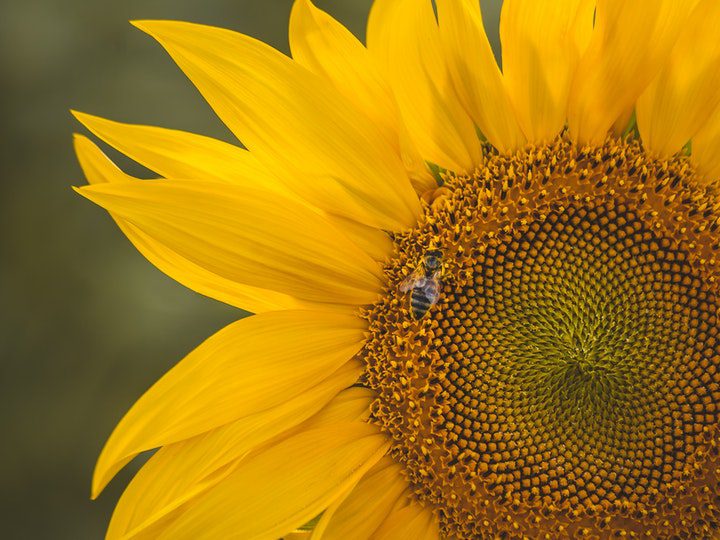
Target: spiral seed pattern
567, 382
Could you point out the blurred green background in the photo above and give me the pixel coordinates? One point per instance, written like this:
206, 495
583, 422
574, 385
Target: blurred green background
87, 324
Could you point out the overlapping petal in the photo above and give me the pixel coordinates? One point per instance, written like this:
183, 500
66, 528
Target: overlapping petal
475, 74
179, 472
249, 366
412, 522
374, 242
404, 37
679, 101
367, 505
326, 47
542, 43
285, 486
247, 235
339, 158
351, 404
242, 169
179, 154
99, 169
706, 148
630, 43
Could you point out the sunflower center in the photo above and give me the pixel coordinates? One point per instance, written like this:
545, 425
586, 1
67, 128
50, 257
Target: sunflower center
564, 379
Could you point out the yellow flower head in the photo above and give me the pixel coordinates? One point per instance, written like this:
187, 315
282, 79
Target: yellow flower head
486, 300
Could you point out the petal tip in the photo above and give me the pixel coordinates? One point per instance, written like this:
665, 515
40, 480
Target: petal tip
85, 119
305, 5
80, 140
87, 191
160, 28
99, 481
142, 24
78, 114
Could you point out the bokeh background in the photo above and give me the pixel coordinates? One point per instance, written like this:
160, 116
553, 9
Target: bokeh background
86, 324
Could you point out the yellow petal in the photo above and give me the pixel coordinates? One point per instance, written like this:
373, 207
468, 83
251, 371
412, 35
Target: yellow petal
367, 505
297, 535
179, 472
304, 131
404, 37
247, 235
679, 101
99, 169
96, 166
541, 45
178, 154
374, 242
706, 149
629, 45
352, 404
475, 74
255, 363
413, 522
324, 46
284, 487
624, 123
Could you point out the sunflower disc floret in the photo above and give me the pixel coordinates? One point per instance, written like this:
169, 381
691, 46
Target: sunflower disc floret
566, 382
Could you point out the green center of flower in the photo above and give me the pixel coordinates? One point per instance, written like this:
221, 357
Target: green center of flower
565, 381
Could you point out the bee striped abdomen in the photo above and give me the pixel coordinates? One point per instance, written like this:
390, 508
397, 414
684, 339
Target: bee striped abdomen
420, 303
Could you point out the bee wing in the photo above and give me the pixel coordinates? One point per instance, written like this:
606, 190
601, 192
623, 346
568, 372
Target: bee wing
416, 279
432, 290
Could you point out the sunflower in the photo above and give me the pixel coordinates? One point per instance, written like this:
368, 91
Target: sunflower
485, 300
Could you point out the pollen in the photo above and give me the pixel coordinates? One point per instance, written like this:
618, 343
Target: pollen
565, 383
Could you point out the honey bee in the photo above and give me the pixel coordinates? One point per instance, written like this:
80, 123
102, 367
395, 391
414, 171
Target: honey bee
424, 284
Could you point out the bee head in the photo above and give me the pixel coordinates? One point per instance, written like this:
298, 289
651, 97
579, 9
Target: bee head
432, 259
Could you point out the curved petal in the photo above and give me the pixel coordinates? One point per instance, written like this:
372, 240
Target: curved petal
374, 242
706, 149
179, 472
413, 522
624, 123
178, 154
247, 235
284, 487
541, 45
324, 46
367, 505
301, 129
404, 37
99, 169
475, 74
249, 366
680, 100
351, 404
629, 45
